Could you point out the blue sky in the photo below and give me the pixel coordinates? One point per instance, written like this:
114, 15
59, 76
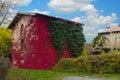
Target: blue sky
96, 15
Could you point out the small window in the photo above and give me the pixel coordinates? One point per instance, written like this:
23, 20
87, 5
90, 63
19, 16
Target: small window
22, 45
21, 29
22, 39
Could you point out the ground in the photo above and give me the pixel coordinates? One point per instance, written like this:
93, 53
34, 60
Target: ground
85, 78
27, 74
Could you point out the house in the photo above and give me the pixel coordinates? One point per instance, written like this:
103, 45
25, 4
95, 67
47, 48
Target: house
31, 41
112, 35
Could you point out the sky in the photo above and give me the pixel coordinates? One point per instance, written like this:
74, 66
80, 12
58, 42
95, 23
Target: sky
96, 15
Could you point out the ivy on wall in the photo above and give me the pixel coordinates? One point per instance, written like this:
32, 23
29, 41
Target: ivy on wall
76, 39
62, 32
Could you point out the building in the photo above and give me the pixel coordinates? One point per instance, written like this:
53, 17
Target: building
112, 35
32, 44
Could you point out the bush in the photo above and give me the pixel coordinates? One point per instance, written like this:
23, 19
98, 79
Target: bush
104, 63
5, 42
4, 66
64, 64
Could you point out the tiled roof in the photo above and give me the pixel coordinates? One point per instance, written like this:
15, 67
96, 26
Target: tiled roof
111, 29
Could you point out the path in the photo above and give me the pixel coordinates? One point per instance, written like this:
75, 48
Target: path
84, 78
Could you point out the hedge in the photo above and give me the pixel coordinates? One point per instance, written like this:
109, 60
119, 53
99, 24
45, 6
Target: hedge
106, 63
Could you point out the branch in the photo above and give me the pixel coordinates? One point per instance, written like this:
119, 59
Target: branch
4, 17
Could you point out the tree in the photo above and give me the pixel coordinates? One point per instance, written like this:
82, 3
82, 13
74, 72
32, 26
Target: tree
5, 42
99, 41
6, 7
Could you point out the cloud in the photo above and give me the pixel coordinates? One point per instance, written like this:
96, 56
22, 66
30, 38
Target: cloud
13, 11
94, 21
24, 2
77, 19
90, 34
62, 5
68, 6
113, 24
89, 8
100, 30
41, 12
19, 2
99, 20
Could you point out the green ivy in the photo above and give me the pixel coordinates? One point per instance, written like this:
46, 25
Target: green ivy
76, 39
63, 32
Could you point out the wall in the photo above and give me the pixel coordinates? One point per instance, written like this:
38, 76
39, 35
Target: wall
112, 40
32, 46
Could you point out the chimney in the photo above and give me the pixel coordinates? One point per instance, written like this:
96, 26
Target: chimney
108, 27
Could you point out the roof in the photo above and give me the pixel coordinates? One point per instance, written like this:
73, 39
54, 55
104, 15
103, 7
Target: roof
19, 16
110, 29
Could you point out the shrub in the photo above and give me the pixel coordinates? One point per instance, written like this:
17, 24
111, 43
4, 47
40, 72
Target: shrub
64, 64
104, 63
80, 64
4, 66
5, 42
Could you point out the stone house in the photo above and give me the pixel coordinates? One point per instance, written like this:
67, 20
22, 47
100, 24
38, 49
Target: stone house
112, 35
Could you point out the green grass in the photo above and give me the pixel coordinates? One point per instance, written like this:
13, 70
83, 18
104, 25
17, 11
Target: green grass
26, 74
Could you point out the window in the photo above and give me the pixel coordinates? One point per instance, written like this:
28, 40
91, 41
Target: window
22, 45
22, 38
21, 29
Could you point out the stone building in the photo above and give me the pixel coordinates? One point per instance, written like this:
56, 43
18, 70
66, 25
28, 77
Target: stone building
112, 35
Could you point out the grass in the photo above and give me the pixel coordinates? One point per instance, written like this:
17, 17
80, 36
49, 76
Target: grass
26, 74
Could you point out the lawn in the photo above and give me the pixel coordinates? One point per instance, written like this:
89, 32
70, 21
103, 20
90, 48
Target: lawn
26, 74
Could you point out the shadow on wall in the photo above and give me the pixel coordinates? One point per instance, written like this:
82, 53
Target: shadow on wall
4, 66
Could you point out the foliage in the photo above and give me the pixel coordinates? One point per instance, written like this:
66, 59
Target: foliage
58, 34
4, 66
104, 63
5, 41
66, 62
99, 41
73, 65
76, 39
63, 33
86, 49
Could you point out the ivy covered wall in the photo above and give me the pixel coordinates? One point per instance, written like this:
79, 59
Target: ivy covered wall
40, 41
62, 32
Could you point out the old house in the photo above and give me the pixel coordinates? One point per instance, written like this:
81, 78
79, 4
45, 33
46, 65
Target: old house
112, 35
31, 42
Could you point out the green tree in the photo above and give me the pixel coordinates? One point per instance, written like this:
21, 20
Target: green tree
5, 42
99, 41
